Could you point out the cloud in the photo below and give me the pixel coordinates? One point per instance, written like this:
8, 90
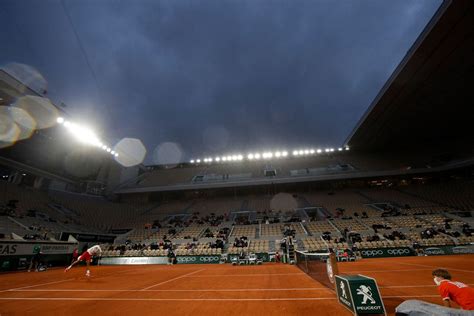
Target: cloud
272, 73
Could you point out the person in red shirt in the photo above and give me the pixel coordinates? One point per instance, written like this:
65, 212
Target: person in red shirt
457, 292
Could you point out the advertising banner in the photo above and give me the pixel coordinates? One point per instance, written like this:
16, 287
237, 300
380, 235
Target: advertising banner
359, 294
198, 259
387, 252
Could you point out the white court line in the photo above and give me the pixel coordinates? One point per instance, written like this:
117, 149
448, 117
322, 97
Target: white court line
215, 290
200, 290
424, 265
27, 287
177, 278
243, 275
401, 270
189, 299
409, 286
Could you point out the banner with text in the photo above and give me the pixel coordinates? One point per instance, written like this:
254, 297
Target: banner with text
387, 252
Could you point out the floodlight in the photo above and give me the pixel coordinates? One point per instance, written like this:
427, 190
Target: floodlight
319, 151
340, 149
257, 156
347, 148
218, 159
192, 161
326, 150
60, 120
284, 154
198, 161
311, 151
108, 149
301, 152
250, 156
278, 154
295, 153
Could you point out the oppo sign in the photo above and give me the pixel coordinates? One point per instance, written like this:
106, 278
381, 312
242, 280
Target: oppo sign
386, 252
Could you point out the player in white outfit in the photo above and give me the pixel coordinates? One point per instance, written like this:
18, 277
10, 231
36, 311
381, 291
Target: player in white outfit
87, 256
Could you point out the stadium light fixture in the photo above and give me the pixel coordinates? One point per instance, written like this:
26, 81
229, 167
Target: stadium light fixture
210, 160
306, 152
284, 154
60, 120
340, 149
240, 157
319, 151
278, 154
331, 149
311, 151
192, 161
108, 149
257, 156
250, 156
112, 152
198, 161
326, 150
218, 159
301, 152
347, 148
295, 153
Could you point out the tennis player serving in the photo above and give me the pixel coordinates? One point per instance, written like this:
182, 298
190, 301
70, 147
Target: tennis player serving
87, 257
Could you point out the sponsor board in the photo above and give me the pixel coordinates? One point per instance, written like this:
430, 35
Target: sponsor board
386, 252
359, 294
468, 249
448, 250
9, 248
198, 259
133, 260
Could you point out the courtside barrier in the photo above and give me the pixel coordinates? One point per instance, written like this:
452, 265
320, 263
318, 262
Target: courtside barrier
387, 252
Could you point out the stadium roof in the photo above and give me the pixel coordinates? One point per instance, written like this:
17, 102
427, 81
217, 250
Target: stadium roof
426, 103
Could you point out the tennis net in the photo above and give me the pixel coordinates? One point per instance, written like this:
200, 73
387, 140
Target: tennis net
322, 267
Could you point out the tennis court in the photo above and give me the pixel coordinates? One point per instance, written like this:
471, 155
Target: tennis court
270, 289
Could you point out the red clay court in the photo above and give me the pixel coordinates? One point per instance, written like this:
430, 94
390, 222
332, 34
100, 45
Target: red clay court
270, 289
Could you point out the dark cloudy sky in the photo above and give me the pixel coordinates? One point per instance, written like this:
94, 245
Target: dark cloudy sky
214, 76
